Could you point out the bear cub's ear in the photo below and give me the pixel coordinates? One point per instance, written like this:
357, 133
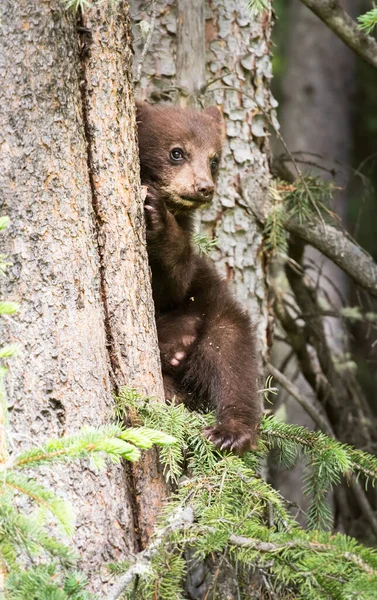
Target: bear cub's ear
141, 109
215, 113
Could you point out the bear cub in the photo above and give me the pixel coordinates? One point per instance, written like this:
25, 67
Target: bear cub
205, 337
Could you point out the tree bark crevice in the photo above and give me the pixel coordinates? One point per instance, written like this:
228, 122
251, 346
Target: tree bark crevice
110, 122
114, 365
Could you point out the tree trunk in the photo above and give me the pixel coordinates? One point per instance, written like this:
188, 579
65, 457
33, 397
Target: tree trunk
70, 185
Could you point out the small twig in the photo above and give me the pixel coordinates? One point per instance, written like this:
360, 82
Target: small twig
364, 505
212, 587
255, 544
282, 140
182, 518
287, 359
339, 248
318, 419
333, 243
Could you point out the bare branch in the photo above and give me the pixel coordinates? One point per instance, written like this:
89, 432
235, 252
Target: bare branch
363, 503
293, 390
342, 24
345, 253
183, 517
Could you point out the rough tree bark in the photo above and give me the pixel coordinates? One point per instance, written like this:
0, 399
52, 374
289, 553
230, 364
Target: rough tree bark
70, 185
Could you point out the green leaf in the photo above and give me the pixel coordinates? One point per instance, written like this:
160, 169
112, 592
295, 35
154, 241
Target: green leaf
8, 351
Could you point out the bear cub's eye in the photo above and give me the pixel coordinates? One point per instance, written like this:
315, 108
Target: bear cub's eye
215, 164
177, 154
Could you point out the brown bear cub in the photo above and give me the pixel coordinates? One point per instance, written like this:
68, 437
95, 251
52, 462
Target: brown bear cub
205, 337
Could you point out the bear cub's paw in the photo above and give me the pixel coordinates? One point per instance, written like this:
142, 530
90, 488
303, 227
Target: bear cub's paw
173, 354
156, 214
233, 436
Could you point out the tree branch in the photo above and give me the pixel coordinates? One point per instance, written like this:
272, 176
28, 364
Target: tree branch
332, 242
309, 408
345, 253
342, 24
183, 517
260, 546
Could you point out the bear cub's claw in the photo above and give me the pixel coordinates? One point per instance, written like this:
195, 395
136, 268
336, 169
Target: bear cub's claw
235, 437
155, 214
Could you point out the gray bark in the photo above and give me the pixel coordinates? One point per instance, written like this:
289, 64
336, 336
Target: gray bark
191, 66
70, 185
115, 187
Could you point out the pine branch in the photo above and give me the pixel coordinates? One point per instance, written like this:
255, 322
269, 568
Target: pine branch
239, 516
323, 424
340, 22
204, 244
332, 242
258, 5
348, 458
43, 497
76, 5
271, 547
111, 440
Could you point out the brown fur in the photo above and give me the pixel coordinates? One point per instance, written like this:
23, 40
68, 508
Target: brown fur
197, 318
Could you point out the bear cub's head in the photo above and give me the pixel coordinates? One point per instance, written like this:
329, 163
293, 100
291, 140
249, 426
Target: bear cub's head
180, 152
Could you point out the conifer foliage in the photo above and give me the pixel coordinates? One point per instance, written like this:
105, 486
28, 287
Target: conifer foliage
222, 507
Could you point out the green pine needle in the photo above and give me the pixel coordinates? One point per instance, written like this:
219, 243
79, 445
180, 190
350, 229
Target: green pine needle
368, 21
76, 5
4, 223
41, 496
204, 244
9, 308
258, 6
303, 199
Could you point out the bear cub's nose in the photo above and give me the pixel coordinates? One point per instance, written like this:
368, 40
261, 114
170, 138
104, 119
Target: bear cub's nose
205, 189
